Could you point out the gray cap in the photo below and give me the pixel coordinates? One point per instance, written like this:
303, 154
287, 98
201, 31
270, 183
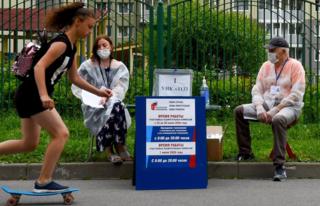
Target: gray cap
277, 42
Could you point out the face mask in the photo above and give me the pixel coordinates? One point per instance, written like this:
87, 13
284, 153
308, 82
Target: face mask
272, 57
103, 53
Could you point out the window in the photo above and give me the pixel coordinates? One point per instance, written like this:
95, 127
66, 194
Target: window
299, 5
240, 5
316, 30
299, 28
109, 30
292, 52
276, 25
277, 4
317, 5
285, 4
316, 55
268, 28
210, 3
276, 29
123, 31
145, 11
268, 4
284, 29
148, 2
125, 8
293, 5
45, 3
214, 3
299, 53
101, 5
281, 4
292, 29
262, 4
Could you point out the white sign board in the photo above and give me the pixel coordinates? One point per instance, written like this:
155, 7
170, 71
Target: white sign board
171, 82
170, 112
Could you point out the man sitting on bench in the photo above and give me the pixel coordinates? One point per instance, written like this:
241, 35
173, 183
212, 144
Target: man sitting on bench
277, 99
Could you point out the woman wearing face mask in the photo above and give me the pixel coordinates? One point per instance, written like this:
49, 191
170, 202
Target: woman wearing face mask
109, 124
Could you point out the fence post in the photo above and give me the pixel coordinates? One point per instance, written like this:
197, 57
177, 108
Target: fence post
151, 51
169, 39
160, 17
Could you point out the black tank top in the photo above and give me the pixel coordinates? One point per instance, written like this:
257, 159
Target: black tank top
62, 64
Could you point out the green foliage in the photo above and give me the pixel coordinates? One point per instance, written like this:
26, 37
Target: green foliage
200, 37
66, 102
76, 149
225, 90
8, 84
302, 137
311, 110
139, 85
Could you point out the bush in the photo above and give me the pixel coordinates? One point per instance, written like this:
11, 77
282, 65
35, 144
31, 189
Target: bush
201, 37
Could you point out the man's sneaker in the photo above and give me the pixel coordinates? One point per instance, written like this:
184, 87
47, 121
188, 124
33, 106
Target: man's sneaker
245, 157
280, 173
49, 187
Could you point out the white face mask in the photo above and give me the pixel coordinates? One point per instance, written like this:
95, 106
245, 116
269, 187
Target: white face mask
103, 53
272, 57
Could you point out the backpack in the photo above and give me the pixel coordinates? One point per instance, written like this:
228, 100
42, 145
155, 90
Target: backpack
24, 62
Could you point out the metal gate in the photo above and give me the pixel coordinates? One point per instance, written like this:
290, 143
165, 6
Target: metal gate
126, 22
221, 40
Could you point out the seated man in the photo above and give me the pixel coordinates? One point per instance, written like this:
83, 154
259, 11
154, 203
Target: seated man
277, 99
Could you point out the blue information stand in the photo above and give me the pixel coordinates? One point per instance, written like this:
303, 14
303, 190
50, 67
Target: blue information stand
170, 146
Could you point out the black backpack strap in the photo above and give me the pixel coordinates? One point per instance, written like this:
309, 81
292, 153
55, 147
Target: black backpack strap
43, 36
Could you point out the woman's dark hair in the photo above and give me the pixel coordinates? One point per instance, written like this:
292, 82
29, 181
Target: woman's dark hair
59, 18
94, 55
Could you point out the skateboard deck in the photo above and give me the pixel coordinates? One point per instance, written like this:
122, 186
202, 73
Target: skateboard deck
16, 194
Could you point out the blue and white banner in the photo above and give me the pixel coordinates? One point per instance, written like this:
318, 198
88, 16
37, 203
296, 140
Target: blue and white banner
169, 144
172, 135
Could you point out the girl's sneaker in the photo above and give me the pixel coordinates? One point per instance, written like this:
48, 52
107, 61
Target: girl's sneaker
49, 187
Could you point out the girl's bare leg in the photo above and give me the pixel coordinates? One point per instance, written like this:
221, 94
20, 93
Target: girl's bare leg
30, 139
51, 121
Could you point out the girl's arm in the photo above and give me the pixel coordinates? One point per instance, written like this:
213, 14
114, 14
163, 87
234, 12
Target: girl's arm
55, 51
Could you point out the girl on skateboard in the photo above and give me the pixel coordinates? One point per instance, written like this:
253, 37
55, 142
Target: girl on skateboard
33, 98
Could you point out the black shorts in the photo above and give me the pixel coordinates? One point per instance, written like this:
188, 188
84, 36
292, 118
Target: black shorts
27, 100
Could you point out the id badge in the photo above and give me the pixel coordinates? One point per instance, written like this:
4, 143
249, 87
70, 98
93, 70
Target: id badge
274, 90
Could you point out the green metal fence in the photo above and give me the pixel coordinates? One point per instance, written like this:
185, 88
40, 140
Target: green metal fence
222, 40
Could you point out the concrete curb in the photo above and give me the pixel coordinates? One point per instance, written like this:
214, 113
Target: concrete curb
103, 170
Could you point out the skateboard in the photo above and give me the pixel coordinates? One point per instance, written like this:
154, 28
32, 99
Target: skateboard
16, 194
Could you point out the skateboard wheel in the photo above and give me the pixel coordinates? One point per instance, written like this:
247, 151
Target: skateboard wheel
68, 199
13, 201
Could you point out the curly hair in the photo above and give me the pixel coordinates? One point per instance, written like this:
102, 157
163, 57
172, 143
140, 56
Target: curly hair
59, 18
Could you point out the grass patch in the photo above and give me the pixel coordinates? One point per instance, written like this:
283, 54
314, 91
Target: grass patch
303, 138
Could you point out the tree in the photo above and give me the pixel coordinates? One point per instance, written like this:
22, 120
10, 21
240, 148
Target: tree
201, 37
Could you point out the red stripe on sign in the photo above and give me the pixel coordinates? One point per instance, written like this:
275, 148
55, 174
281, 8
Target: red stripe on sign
192, 161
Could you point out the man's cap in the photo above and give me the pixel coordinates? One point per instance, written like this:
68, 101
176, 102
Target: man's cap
277, 42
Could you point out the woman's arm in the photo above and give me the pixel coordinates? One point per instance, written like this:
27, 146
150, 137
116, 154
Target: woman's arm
76, 79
